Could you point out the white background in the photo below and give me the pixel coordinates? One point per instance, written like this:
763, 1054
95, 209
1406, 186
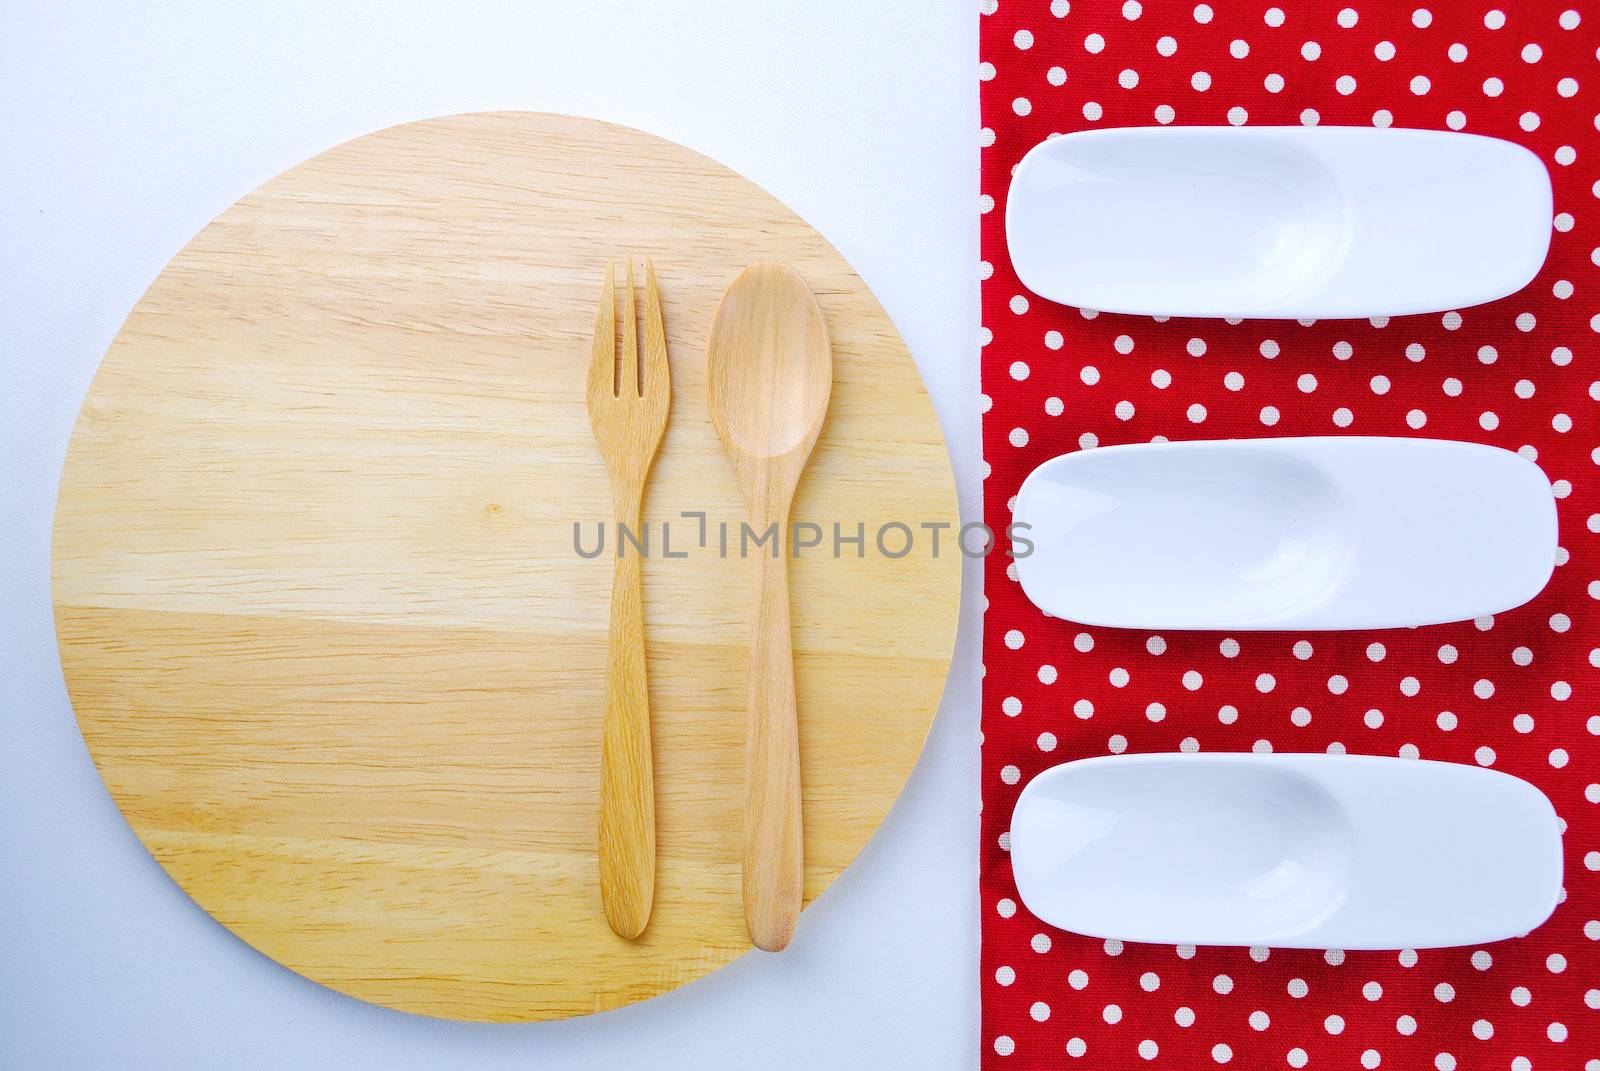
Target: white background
124, 128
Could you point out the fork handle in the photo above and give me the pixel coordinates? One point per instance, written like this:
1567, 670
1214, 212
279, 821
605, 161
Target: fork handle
773, 853
627, 789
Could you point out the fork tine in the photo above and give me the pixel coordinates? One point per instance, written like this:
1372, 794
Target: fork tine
628, 370
603, 358
656, 378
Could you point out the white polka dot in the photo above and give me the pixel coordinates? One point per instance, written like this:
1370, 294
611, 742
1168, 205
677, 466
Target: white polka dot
1184, 1017
1018, 437
1345, 84
1047, 742
1022, 105
1005, 975
1196, 413
1238, 48
1165, 114
1014, 639
1056, 76
1274, 16
1457, 52
1221, 1053
1054, 406
1202, 13
1421, 18
1334, 1024
1132, 10
1416, 418
1092, 111
1259, 1020
1200, 80
1485, 756
1406, 1025
1311, 51
1274, 83
1493, 87
1094, 43
1040, 943
1569, 20
1077, 1047
1309, 117
1420, 85
1023, 39
1556, 1032
1167, 46
1078, 979
1237, 116
1521, 996
1531, 53
1112, 1014
1338, 684
1004, 1046
1265, 682
1128, 79
1297, 1057
1447, 721
1039, 1011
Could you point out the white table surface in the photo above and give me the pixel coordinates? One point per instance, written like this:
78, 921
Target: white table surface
124, 128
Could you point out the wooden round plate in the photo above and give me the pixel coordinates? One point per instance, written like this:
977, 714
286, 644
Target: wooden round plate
319, 606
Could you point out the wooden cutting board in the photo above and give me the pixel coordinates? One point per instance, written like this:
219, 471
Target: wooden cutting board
319, 607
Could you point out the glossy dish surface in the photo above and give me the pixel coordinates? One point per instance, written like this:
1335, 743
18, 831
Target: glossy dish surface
1289, 851
1277, 222
1337, 532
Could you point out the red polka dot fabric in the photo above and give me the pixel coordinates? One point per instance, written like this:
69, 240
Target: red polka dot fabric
1517, 692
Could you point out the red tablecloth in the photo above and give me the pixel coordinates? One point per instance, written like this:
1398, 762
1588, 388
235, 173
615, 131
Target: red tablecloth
1516, 692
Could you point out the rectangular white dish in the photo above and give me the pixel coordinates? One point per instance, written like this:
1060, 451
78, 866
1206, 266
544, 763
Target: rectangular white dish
1335, 532
1277, 222
1288, 851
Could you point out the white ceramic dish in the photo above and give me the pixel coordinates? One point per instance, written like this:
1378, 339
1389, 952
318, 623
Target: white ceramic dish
1286, 222
1289, 851
1339, 532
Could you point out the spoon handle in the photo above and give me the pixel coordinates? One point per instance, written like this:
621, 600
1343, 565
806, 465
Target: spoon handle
773, 854
627, 792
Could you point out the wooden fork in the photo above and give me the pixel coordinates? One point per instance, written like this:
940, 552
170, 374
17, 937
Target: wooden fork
628, 403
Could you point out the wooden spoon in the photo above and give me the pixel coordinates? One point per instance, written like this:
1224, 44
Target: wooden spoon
769, 370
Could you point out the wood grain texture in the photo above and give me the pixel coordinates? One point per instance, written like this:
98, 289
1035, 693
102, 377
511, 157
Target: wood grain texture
319, 608
628, 402
769, 370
